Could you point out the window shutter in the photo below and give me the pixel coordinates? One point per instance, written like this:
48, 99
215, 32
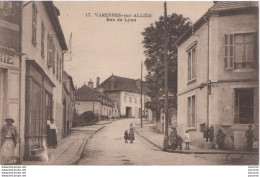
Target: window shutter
229, 51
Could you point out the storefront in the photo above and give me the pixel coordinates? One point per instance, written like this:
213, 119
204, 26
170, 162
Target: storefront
10, 87
39, 108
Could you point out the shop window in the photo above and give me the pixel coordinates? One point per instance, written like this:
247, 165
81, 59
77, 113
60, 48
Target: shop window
34, 24
244, 106
191, 111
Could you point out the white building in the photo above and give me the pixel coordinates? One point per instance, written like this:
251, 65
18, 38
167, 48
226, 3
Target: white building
127, 94
44, 45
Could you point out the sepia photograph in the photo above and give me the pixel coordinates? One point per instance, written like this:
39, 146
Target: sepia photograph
129, 83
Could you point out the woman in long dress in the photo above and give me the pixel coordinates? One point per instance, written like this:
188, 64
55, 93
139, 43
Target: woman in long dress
53, 135
9, 139
131, 133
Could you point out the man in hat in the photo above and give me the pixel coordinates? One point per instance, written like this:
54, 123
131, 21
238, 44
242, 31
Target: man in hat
9, 137
249, 137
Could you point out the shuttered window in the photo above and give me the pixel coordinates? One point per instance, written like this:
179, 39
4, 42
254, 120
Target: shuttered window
34, 24
240, 50
42, 41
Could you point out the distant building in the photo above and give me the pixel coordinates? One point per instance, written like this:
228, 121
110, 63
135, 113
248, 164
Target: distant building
127, 94
218, 73
90, 99
68, 103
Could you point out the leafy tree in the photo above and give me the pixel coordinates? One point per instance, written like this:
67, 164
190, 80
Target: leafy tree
154, 51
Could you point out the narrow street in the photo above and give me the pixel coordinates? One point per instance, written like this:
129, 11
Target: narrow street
107, 147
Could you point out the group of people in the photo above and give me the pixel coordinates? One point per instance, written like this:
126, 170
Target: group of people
10, 139
174, 141
129, 136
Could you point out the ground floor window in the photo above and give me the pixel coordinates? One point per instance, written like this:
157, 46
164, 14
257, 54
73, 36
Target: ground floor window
244, 106
191, 111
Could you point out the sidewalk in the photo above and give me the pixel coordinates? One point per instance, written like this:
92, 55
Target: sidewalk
71, 148
154, 137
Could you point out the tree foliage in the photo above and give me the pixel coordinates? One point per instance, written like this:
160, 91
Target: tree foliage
154, 51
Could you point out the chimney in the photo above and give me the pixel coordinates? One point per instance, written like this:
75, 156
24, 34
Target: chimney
112, 82
90, 84
97, 83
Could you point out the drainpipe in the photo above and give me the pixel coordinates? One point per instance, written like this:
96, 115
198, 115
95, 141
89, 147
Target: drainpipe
20, 77
208, 77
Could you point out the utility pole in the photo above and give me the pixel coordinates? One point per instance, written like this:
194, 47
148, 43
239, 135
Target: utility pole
141, 93
166, 68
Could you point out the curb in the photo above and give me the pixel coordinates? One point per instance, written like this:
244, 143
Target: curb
83, 146
192, 152
156, 145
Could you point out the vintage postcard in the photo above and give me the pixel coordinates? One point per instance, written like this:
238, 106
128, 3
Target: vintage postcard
129, 83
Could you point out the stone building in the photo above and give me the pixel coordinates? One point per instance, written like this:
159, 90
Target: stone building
44, 45
127, 94
90, 99
219, 87
68, 103
11, 94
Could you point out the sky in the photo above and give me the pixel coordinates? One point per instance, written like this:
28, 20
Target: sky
101, 48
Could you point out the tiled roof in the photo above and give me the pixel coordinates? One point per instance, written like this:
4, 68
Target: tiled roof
226, 5
219, 6
85, 93
123, 84
53, 14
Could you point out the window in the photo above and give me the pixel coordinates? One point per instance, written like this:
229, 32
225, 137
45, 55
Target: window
135, 100
229, 51
240, 50
42, 40
60, 69
53, 59
34, 24
57, 67
244, 106
125, 98
192, 64
191, 111
50, 51
130, 99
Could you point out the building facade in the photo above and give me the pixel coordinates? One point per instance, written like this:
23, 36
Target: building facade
220, 84
68, 103
43, 44
90, 99
10, 68
127, 94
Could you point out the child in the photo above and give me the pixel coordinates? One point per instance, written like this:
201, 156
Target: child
255, 145
187, 140
126, 136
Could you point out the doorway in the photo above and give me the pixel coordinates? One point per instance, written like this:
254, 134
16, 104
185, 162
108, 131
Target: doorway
128, 112
3, 85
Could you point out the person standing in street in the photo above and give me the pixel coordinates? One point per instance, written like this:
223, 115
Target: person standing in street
187, 140
53, 135
131, 133
9, 139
